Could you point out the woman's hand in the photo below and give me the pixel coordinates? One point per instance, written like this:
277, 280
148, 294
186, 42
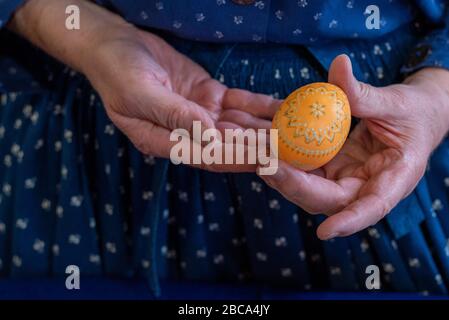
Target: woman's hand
384, 157
148, 88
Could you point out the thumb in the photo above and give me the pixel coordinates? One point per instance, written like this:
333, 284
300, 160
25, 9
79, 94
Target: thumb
366, 101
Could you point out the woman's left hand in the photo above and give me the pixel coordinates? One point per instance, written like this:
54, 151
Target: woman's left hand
383, 158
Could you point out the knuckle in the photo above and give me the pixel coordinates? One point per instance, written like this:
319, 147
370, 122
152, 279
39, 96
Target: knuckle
364, 92
384, 208
401, 99
382, 213
174, 114
342, 200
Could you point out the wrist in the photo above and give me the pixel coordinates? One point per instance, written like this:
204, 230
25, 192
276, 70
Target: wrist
43, 23
431, 89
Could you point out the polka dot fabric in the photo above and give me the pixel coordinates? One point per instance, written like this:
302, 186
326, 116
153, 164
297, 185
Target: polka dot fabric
73, 189
303, 21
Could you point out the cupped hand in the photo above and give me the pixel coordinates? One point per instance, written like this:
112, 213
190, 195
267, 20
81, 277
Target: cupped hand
384, 156
150, 89
147, 87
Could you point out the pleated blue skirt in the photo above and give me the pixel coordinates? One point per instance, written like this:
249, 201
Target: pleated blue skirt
74, 191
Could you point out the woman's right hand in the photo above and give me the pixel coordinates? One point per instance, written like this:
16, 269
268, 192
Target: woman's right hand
148, 88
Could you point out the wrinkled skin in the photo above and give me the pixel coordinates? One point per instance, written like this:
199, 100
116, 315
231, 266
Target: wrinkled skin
149, 89
384, 156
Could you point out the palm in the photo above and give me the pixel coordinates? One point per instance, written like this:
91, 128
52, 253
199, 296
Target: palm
184, 77
380, 163
144, 67
362, 159
150, 89
360, 152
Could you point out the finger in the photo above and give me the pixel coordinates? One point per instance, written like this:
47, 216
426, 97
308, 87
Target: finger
244, 119
237, 134
223, 125
167, 109
259, 105
148, 138
154, 140
311, 192
378, 197
360, 215
366, 101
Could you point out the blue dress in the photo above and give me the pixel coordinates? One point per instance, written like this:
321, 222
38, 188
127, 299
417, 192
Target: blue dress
73, 189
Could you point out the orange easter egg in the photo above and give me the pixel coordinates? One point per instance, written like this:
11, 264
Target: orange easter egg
313, 123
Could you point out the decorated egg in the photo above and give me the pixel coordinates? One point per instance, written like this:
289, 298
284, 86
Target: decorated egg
313, 123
